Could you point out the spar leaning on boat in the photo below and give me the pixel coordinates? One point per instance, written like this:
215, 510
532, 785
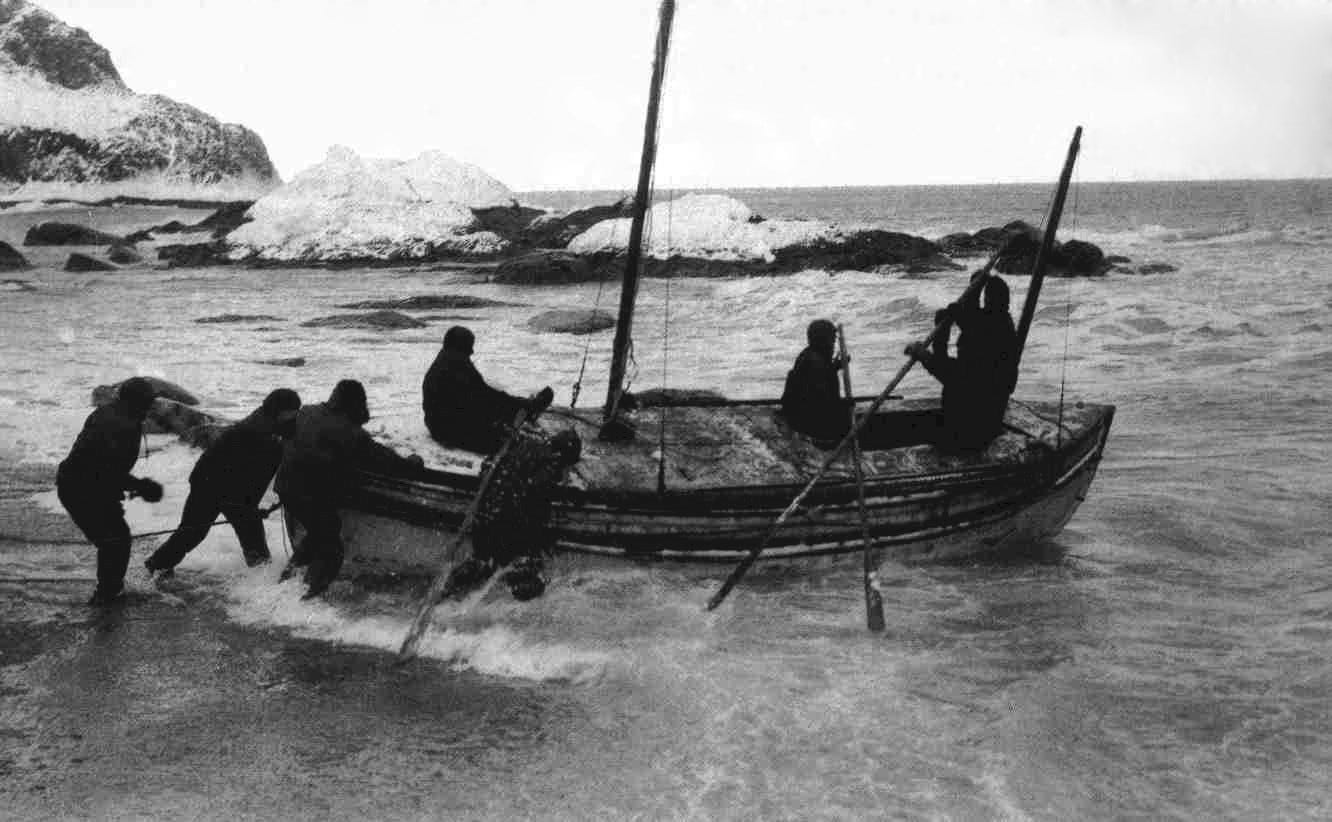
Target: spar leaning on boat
722, 475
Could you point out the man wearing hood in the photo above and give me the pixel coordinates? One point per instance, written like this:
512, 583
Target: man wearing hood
978, 381
461, 410
93, 480
328, 445
230, 478
812, 398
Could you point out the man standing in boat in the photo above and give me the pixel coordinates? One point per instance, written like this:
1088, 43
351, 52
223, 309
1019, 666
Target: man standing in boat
230, 478
979, 380
327, 445
812, 399
461, 410
94, 479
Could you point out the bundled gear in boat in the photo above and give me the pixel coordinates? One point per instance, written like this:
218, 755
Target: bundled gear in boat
512, 526
230, 478
326, 447
95, 477
461, 409
979, 380
811, 400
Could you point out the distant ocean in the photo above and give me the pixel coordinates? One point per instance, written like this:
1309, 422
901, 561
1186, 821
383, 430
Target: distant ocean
1168, 657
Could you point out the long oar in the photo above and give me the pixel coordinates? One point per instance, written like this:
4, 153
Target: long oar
740, 570
437, 586
873, 599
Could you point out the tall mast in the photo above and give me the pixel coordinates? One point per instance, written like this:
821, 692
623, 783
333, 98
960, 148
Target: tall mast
629, 289
1047, 244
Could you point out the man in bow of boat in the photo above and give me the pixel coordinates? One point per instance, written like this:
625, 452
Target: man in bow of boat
979, 380
94, 479
328, 444
812, 398
512, 525
230, 478
461, 410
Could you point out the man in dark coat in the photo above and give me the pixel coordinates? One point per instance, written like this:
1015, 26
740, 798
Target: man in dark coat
812, 399
461, 410
230, 478
978, 381
316, 470
93, 480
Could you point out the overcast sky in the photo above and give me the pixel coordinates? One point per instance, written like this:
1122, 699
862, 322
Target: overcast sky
547, 95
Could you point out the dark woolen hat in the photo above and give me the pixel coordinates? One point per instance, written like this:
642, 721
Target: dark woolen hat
348, 398
281, 399
137, 393
821, 331
459, 338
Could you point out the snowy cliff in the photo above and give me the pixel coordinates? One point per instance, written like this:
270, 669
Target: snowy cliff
349, 208
69, 126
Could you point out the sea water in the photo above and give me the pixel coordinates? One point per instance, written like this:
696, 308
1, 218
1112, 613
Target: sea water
1166, 657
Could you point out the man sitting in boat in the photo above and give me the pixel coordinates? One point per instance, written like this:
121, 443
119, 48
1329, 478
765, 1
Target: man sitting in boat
812, 399
326, 447
461, 410
978, 381
230, 478
512, 525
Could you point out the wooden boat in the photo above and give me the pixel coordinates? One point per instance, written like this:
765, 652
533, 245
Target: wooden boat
728, 470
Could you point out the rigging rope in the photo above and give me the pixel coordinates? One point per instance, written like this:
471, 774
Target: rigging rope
587, 344
665, 356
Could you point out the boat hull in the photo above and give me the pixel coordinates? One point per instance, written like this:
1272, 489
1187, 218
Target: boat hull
945, 510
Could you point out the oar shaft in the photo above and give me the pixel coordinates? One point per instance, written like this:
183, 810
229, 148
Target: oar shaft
873, 599
422, 618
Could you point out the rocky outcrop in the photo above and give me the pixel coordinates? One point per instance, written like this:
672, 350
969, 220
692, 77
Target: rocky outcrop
572, 321
1020, 243
33, 39
10, 259
53, 233
858, 251
83, 263
81, 127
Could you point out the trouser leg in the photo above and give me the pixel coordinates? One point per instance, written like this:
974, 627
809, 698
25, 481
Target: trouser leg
326, 551
101, 518
201, 508
249, 527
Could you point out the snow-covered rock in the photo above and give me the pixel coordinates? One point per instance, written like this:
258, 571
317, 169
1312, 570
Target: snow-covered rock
69, 126
350, 208
704, 226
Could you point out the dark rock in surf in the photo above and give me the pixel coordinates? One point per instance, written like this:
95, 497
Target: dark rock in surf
544, 267
82, 263
238, 318
287, 362
572, 321
139, 236
103, 394
1082, 258
11, 259
380, 320
858, 250
123, 254
193, 255
54, 233
428, 302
